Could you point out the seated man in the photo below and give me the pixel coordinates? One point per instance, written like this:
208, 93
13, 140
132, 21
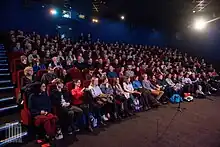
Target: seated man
90, 74
40, 107
33, 57
61, 100
154, 90
111, 73
49, 77
129, 72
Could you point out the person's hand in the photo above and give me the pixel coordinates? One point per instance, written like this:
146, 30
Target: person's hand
67, 104
45, 113
83, 89
42, 112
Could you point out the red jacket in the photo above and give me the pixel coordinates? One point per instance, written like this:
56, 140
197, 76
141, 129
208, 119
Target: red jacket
77, 94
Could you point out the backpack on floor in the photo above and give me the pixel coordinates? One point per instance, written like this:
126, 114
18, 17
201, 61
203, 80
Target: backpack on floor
176, 98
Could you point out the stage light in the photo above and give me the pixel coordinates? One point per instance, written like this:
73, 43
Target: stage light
200, 24
194, 11
122, 17
95, 20
53, 12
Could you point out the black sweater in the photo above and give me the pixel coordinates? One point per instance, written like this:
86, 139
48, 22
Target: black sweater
36, 103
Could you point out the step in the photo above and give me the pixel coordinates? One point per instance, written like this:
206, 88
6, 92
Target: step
3, 61
4, 81
3, 57
3, 64
6, 125
2, 51
4, 74
4, 69
7, 101
4, 99
7, 108
14, 139
7, 88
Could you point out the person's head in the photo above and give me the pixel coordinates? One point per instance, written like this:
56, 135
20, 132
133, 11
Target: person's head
136, 78
145, 76
54, 59
59, 84
122, 69
24, 59
129, 67
94, 81
77, 83
91, 71
111, 69
116, 61
43, 87
105, 80
100, 61
187, 75
60, 53
90, 61
29, 46
50, 69
160, 77
137, 68
18, 45
38, 42
34, 52
64, 72
28, 71
153, 77
100, 70
79, 59
127, 79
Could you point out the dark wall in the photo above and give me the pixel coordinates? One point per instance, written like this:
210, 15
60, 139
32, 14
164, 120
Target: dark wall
204, 44
36, 18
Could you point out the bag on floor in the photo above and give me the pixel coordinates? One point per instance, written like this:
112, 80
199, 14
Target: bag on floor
93, 120
176, 98
188, 97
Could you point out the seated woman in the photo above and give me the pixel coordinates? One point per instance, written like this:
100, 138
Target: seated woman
122, 96
61, 100
23, 64
79, 101
99, 97
121, 72
146, 97
28, 77
40, 107
108, 90
154, 90
127, 85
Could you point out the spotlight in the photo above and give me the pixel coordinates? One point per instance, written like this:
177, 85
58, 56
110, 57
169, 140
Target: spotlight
200, 24
95, 20
194, 11
53, 12
122, 17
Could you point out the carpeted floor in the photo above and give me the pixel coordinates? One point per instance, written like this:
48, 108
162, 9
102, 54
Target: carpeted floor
197, 126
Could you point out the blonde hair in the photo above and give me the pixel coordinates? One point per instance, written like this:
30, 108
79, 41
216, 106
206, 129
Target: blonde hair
27, 69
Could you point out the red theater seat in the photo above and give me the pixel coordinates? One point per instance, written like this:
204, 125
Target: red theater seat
40, 73
86, 83
69, 86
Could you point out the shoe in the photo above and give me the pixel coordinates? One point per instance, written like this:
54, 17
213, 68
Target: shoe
102, 123
108, 116
90, 129
104, 118
214, 89
70, 131
209, 93
76, 129
59, 135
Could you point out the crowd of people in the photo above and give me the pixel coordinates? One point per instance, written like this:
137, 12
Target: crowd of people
123, 79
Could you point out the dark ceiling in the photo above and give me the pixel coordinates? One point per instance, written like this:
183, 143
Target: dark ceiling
158, 14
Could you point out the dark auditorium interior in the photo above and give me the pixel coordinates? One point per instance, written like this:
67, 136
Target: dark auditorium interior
109, 73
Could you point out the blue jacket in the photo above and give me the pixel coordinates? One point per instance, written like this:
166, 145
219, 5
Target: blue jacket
112, 75
137, 84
